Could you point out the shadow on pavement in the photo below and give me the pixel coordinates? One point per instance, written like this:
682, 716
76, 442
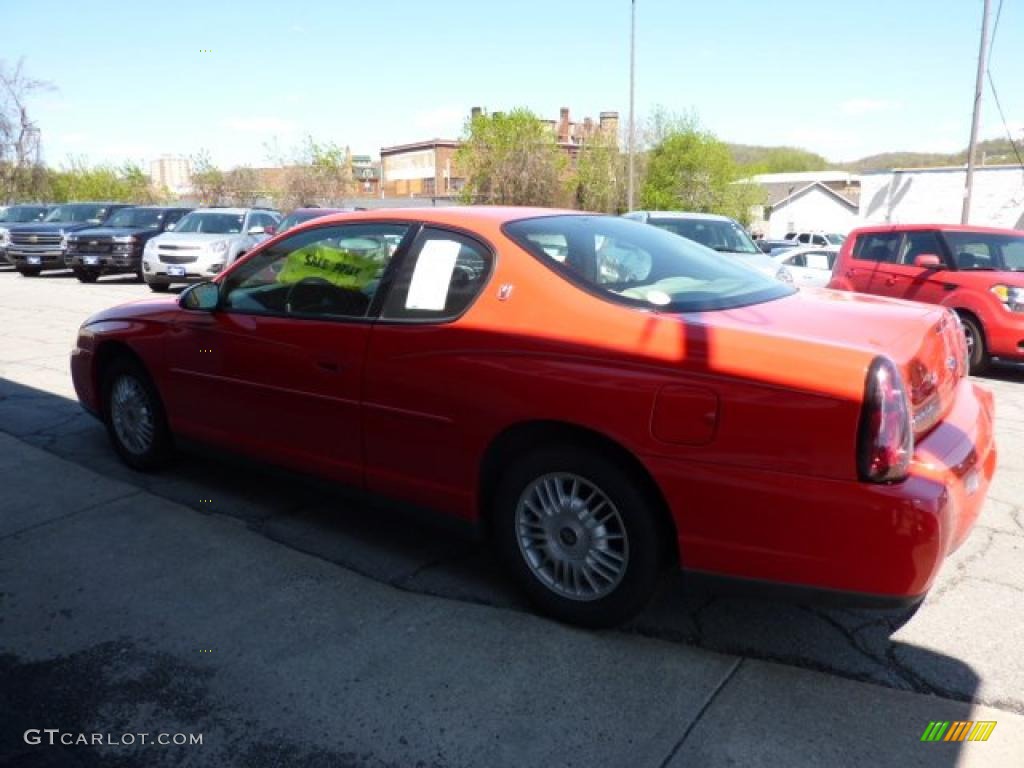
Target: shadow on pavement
418, 553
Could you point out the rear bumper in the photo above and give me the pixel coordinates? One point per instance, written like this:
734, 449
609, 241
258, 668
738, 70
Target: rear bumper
886, 541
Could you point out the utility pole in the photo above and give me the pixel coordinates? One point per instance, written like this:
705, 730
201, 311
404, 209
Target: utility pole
632, 81
979, 86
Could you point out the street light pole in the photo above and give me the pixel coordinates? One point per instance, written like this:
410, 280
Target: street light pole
632, 79
978, 87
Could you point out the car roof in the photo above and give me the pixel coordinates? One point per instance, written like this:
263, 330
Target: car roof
941, 227
685, 215
240, 211
456, 215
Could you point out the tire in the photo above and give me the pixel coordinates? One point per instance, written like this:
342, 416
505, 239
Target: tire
130, 401
87, 275
29, 271
612, 568
977, 350
159, 287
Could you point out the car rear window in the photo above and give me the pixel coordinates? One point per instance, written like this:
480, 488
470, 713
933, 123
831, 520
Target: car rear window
630, 263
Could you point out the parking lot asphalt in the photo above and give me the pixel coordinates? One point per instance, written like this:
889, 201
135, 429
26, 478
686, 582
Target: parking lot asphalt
294, 624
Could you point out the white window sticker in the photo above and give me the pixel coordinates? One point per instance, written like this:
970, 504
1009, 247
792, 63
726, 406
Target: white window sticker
433, 275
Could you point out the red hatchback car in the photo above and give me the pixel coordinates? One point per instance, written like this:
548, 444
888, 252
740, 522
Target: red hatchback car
976, 271
604, 397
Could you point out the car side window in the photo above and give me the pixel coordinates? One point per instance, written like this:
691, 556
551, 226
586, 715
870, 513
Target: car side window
797, 261
329, 272
444, 273
263, 220
917, 243
880, 246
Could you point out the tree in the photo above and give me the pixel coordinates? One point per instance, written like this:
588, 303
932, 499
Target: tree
689, 169
22, 175
207, 179
80, 181
599, 181
511, 159
313, 173
243, 186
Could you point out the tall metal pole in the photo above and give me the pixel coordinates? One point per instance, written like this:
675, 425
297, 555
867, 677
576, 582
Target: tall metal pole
632, 81
979, 86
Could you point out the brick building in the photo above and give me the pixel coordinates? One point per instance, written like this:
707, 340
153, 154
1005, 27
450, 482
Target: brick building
421, 169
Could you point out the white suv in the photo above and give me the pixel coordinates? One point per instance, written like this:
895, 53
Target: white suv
823, 239
203, 243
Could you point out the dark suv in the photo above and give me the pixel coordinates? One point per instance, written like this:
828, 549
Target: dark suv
35, 247
116, 247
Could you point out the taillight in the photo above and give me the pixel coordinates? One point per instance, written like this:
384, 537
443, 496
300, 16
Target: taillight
885, 441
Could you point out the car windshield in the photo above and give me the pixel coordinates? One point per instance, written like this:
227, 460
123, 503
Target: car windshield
298, 217
631, 263
78, 212
835, 238
987, 251
212, 223
19, 214
727, 236
137, 218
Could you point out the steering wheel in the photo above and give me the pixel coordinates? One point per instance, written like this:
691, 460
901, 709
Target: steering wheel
309, 293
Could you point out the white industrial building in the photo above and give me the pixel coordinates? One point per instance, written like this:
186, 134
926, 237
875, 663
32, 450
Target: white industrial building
935, 195
795, 202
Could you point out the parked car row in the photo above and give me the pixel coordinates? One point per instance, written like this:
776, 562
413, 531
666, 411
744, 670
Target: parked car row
163, 245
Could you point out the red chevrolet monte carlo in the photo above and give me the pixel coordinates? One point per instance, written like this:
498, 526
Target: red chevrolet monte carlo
605, 398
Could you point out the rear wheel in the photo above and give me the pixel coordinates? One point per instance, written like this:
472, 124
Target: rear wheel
977, 350
579, 534
159, 287
29, 271
134, 416
86, 275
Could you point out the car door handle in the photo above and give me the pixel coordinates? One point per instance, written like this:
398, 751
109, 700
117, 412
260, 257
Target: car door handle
891, 281
851, 272
330, 366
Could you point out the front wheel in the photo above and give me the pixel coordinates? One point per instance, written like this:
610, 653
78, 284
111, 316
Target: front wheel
159, 287
977, 351
580, 535
134, 416
29, 271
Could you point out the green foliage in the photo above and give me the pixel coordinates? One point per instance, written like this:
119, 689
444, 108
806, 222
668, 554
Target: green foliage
756, 160
599, 183
511, 158
81, 181
689, 169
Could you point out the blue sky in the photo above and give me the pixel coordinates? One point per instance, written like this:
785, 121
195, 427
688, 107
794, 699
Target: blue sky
840, 78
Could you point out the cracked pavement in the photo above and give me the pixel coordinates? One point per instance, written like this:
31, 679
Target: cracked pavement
301, 573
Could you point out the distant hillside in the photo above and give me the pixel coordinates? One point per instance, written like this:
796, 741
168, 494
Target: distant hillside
793, 159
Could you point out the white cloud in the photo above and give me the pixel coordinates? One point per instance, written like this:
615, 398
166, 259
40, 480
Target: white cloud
867, 106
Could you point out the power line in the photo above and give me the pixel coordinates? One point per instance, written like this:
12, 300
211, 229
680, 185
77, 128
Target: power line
992, 39
999, 107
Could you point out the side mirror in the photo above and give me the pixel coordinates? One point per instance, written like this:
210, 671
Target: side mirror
257, 230
269, 230
203, 297
170, 227
928, 261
